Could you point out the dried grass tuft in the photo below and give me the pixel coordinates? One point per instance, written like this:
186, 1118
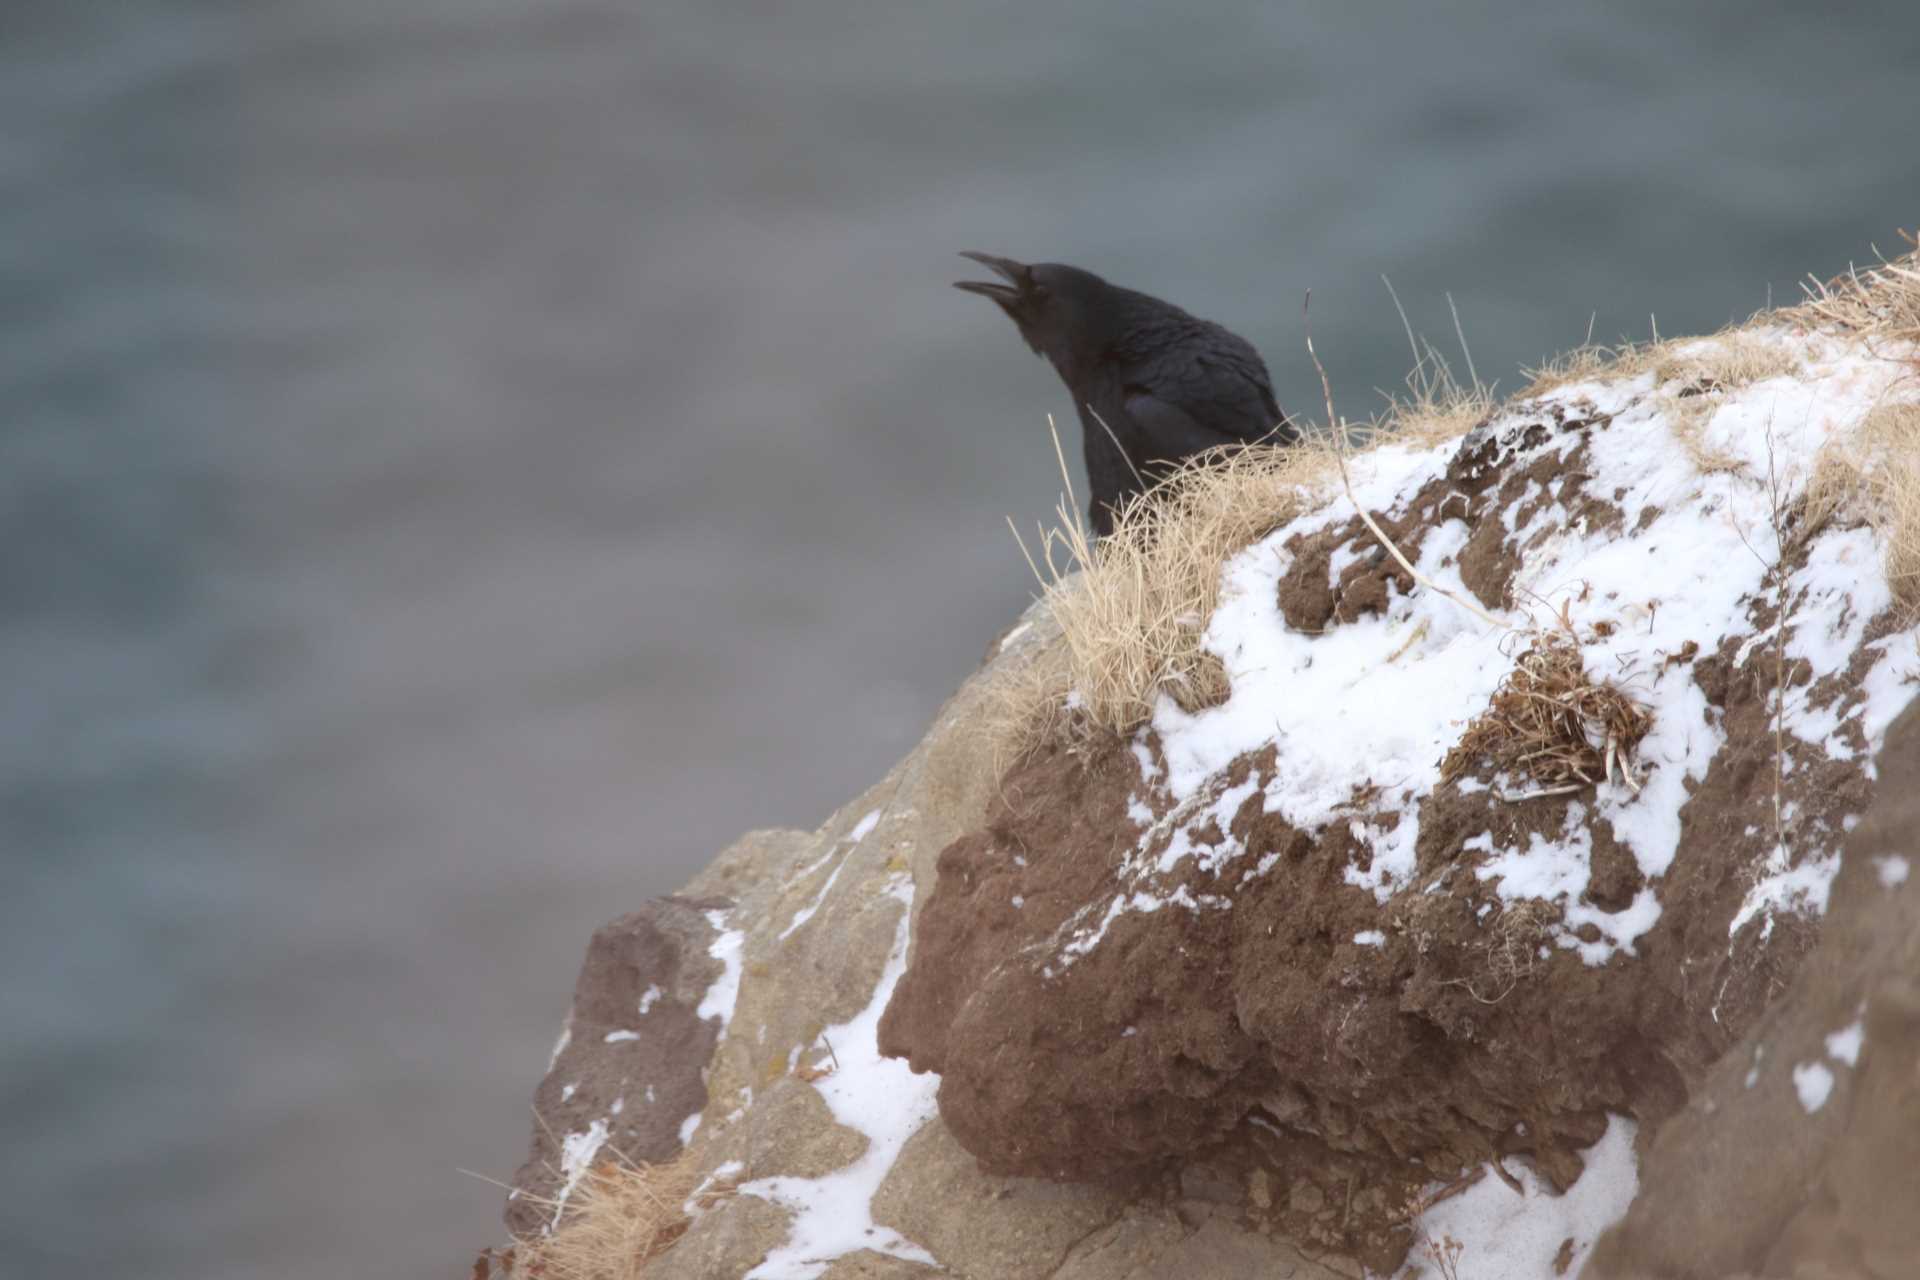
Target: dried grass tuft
1132, 608
1692, 376
1552, 723
619, 1217
1588, 362
1873, 474
1879, 303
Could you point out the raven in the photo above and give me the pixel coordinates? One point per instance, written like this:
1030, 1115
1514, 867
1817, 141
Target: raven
1152, 384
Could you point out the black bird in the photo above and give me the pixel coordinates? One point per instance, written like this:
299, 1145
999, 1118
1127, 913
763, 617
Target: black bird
1152, 384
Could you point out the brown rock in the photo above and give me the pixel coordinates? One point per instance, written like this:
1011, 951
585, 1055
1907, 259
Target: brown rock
631, 1066
1745, 1179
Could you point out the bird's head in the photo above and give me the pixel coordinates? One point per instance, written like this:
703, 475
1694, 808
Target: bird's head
1064, 313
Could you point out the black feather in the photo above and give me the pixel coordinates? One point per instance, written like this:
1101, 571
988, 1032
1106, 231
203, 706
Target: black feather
1152, 384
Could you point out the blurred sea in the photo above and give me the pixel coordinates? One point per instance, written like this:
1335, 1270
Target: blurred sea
464, 462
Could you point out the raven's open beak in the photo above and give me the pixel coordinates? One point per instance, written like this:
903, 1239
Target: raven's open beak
1018, 275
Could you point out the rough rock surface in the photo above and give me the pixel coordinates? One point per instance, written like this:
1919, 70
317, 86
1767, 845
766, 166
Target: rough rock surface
1192, 1034
631, 1065
818, 914
1746, 1179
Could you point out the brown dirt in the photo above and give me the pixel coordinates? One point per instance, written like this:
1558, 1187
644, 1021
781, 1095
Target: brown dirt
1262, 1042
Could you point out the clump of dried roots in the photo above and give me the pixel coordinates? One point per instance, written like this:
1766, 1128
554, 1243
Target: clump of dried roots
1552, 723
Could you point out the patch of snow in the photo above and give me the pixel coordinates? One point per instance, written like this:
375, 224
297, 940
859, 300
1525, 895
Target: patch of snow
1892, 870
1844, 1044
1814, 1083
619, 1105
1753, 1072
1084, 940
567, 1091
1149, 767
650, 1097
728, 1169
689, 1127
861, 830
1558, 871
1366, 717
620, 1037
1803, 889
1343, 556
560, 1045
725, 991
650, 997
1018, 902
883, 1100
1509, 1235
577, 1151
1370, 938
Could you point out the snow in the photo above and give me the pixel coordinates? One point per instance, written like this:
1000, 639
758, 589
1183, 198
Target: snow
1370, 938
1803, 888
880, 1098
861, 830
577, 1151
1814, 1083
725, 991
1892, 870
1371, 707
1844, 1044
1558, 871
649, 997
1508, 1235
618, 1037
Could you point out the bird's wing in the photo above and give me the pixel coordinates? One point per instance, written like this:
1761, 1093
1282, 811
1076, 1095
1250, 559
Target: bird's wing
1205, 399
1168, 430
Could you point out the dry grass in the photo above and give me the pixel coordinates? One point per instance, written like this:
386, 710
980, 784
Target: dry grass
1552, 723
1692, 376
1873, 473
1513, 947
1736, 358
1131, 609
1588, 362
1879, 303
618, 1219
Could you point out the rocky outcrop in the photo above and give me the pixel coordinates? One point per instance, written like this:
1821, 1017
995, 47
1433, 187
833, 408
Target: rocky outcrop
1309, 981
630, 1069
1113, 976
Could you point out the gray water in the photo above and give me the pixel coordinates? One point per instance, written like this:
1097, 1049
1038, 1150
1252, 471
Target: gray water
464, 461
